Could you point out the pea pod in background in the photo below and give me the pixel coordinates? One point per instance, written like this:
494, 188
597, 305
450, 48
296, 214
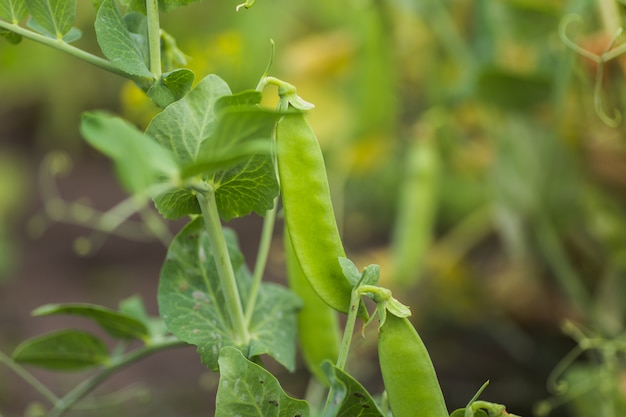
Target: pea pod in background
417, 206
318, 325
408, 374
309, 214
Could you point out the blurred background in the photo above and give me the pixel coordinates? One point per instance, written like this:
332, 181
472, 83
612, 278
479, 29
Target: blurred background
473, 152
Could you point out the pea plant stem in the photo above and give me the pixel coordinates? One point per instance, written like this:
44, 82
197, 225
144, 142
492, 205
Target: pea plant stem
62, 405
261, 260
62, 46
224, 267
28, 377
154, 37
346, 341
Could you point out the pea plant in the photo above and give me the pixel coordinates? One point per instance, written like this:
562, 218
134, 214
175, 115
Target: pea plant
211, 155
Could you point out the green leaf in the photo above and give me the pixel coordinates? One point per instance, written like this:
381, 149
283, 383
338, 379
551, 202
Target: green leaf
233, 145
140, 162
249, 187
171, 87
66, 350
243, 99
192, 303
13, 11
349, 398
53, 18
247, 390
124, 49
177, 203
197, 110
116, 324
273, 325
240, 146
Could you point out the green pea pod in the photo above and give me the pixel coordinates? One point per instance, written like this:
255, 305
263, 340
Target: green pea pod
416, 210
318, 325
308, 211
408, 373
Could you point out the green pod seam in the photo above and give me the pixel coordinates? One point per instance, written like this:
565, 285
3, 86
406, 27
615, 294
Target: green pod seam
318, 325
308, 210
408, 373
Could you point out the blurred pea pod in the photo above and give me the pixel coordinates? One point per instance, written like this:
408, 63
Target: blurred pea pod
318, 325
417, 206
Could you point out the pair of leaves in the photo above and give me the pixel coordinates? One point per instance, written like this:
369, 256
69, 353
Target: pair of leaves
75, 350
248, 390
191, 302
208, 135
51, 18
124, 41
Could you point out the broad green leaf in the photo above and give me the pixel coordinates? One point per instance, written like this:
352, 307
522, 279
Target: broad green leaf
247, 390
53, 18
185, 124
250, 186
66, 350
273, 325
233, 145
118, 44
238, 154
236, 127
140, 161
73, 35
13, 11
171, 87
137, 26
191, 301
177, 203
116, 324
349, 399
197, 110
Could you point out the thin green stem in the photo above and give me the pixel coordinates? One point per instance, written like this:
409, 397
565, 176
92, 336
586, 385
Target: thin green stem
346, 341
261, 260
154, 37
224, 267
64, 404
69, 49
28, 377
344, 349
